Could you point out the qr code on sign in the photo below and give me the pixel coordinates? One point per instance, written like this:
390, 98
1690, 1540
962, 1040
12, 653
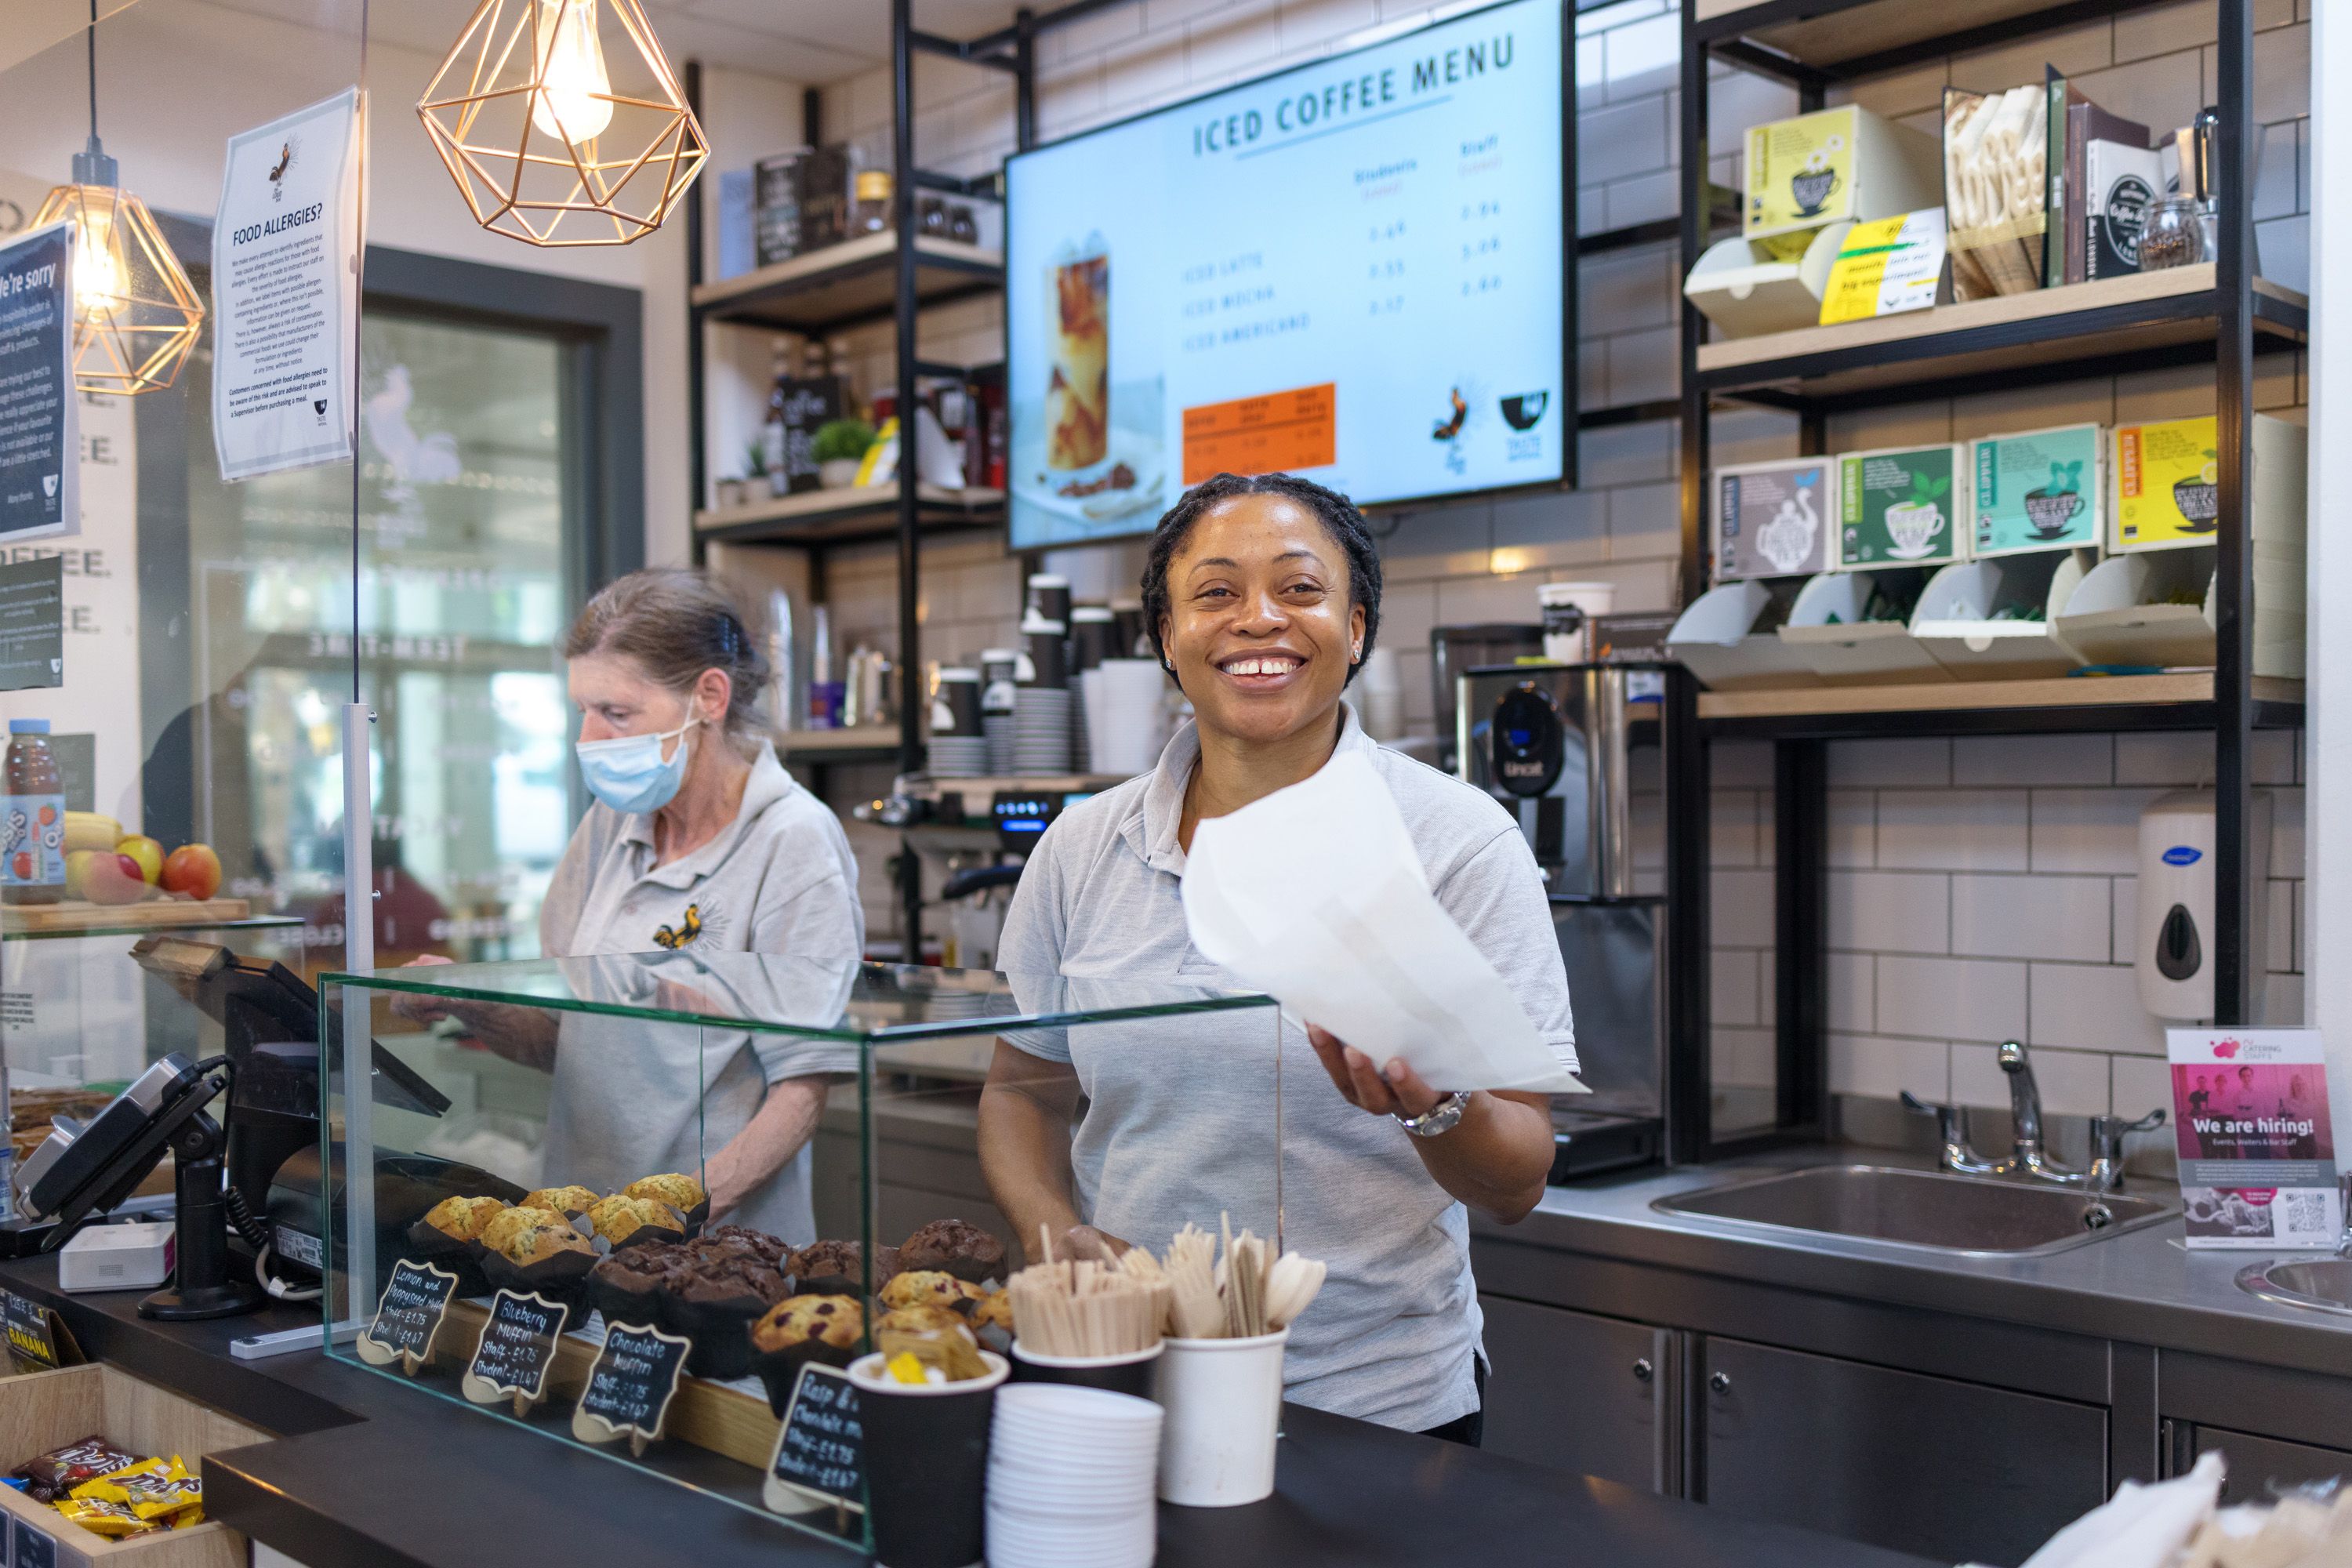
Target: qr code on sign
2302, 1215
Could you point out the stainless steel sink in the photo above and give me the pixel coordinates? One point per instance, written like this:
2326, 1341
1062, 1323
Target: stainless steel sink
2322, 1284
1929, 1209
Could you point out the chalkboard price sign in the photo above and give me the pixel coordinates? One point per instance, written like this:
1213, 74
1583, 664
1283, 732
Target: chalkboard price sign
31, 1333
517, 1350
631, 1385
30, 1548
408, 1316
820, 1448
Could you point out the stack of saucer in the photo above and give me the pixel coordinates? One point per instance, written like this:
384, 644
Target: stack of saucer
958, 749
1071, 1477
1041, 732
958, 757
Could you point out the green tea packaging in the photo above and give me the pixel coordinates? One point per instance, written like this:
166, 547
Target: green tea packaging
1904, 506
2040, 489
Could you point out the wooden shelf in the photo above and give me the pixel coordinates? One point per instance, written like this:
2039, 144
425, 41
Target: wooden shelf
1861, 37
834, 745
80, 917
863, 512
2172, 701
2110, 319
1065, 784
849, 283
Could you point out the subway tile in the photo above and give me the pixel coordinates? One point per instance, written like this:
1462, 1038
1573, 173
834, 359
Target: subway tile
2139, 1085
1643, 587
1894, 94
1883, 1068
2161, 93
2021, 760
1731, 827
2029, 917
1626, 453
1889, 912
2034, 406
1953, 830
1950, 998
1553, 529
1606, 18
2275, 175
1646, 522
1643, 198
1739, 907
1627, 288
1853, 828
1622, 139
1767, 847
2286, 831
1643, 57
2073, 51
1851, 995
1911, 762
2164, 30
1439, 542
1230, 43
1408, 611
2283, 247
2073, 1083
1592, 73
1752, 435
1733, 990
1891, 425
2174, 759
2092, 1007
2283, 72
2282, 1000
1740, 100
1742, 1057
1471, 601
2277, 757
1311, 27
1643, 368
2088, 830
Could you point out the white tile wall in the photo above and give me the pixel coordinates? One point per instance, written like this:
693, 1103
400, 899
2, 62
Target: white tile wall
1980, 889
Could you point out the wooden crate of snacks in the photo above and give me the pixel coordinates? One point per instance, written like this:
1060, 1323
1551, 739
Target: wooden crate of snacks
47, 1410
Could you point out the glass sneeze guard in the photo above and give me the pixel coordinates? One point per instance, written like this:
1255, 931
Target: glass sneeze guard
521, 1077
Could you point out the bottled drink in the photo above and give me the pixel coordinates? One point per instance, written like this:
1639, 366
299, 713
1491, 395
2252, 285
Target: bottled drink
32, 819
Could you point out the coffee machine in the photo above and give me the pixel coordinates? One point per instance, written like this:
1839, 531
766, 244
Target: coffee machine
1576, 751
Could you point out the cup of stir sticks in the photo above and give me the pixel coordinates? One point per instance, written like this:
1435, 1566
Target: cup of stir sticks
1094, 1324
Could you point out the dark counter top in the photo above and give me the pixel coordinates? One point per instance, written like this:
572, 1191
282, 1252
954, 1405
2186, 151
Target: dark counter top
368, 1474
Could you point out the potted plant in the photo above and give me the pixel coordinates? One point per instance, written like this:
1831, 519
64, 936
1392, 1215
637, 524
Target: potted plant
838, 446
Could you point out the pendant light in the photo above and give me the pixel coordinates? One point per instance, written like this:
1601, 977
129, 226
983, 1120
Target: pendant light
545, 148
135, 313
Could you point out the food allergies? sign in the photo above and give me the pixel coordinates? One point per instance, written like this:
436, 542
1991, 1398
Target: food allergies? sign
286, 249
40, 494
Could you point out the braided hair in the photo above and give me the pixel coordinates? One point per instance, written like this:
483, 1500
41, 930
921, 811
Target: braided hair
1336, 512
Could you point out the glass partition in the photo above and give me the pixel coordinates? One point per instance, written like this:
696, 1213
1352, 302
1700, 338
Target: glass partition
161, 584
796, 1133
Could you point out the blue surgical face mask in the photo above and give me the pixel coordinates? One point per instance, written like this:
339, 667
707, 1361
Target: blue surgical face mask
627, 773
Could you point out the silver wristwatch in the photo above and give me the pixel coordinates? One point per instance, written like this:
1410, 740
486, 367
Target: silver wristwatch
1439, 1119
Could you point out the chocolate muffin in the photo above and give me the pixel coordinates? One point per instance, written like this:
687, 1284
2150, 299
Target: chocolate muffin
627, 1286
712, 1300
954, 1246
769, 1249
829, 1267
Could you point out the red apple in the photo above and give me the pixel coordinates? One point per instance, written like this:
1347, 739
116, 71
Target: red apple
113, 879
192, 870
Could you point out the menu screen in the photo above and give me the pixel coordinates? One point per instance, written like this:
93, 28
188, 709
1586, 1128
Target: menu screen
1352, 270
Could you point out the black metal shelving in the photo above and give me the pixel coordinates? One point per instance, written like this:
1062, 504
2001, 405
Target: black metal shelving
2219, 314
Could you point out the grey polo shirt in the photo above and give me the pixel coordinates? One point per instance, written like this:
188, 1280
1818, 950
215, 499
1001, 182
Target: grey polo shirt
1180, 1116
780, 878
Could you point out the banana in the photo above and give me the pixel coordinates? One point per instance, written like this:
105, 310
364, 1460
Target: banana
88, 830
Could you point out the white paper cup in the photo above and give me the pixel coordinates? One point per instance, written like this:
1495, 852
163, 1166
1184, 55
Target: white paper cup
1224, 1400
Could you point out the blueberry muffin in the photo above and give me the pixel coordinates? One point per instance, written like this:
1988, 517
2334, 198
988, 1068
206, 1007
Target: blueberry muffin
954, 1246
812, 1324
929, 1288
574, 1199
525, 1234
462, 1219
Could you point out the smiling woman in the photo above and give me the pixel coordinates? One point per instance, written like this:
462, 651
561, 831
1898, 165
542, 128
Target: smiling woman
1262, 595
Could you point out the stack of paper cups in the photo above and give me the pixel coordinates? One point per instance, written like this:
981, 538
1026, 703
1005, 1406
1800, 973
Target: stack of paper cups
1125, 704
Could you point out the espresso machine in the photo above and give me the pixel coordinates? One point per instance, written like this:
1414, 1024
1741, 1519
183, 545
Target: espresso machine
1576, 751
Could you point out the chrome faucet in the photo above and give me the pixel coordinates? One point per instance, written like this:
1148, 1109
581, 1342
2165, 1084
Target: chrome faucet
2027, 1156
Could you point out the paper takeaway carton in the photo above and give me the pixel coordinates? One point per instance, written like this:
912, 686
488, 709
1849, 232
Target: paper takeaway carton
1833, 628
1728, 639
1996, 620
1773, 520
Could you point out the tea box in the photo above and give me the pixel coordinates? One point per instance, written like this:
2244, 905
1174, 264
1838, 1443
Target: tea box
1844, 163
2169, 492
1772, 519
1903, 506
2041, 489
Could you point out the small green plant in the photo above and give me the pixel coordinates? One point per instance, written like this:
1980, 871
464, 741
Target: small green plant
841, 438
2065, 479
755, 458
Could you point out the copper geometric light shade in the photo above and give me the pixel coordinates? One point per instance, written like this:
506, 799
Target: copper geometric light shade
545, 148
135, 313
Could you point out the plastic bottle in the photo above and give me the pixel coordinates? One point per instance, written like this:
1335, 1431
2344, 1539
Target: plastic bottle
32, 819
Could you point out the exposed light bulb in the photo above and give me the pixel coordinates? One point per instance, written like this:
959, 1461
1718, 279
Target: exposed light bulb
574, 98
98, 269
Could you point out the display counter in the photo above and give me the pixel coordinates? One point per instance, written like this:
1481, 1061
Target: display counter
362, 1474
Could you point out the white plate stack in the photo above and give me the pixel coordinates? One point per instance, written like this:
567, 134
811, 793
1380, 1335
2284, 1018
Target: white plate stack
1041, 732
1127, 715
958, 757
1071, 1477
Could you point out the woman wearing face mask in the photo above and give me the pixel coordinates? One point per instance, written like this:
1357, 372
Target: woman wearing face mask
698, 841
1263, 596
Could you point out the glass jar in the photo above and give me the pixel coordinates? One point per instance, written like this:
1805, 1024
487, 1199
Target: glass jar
2174, 235
870, 212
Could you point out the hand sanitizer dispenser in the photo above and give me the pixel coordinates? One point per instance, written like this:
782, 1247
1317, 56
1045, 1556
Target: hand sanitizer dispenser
2173, 939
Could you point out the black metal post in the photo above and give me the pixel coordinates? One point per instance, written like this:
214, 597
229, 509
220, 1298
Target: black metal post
1800, 932
2236, 969
1025, 78
697, 461
1693, 471
812, 116
910, 641
1690, 1054
1572, 300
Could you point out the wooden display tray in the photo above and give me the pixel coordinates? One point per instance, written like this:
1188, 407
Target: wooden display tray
46, 1410
80, 914
707, 1414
